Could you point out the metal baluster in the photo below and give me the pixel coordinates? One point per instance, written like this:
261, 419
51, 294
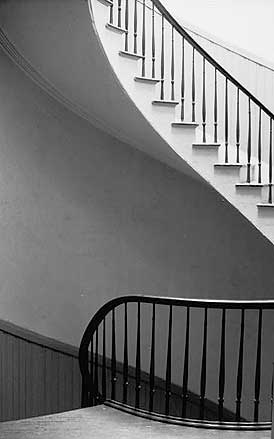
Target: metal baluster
226, 120
215, 108
104, 377
193, 85
238, 127
153, 40
204, 103
168, 364
258, 368
222, 369
203, 369
126, 26
270, 165
138, 360
111, 12
260, 147
240, 369
172, 97
119, 12
125, 365
152, 362
163, 59
248, 179
96, 379
135, 26
186, 363
183, 81
113, 358
144, 40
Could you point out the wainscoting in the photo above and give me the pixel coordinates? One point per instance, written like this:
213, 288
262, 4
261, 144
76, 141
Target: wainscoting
37, 375
40, 376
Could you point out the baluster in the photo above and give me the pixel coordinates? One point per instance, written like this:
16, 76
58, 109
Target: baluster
168, 364
119, 12
144, 40
215, 108
226, 120
270, 165
186, 362
111, 13
163, 59
272, 389
203, 369
91, 380
104, 377
222, 368
240, 369
153, 40
96, 379
238, 127
260, 147
204, 103
172, 65
183, 81
138, 360
125, 365
113, 358
152, 362
135, 26
126, 26
249, 143
258, 368
193, 85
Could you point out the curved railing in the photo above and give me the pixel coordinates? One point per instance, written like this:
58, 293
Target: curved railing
218, 349
207, 93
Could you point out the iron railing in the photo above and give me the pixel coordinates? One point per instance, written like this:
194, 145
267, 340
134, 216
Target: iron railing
212, 347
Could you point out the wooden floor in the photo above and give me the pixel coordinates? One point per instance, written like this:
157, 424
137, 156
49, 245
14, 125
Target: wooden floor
104, 422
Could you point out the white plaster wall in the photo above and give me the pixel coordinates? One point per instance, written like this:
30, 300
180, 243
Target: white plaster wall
85, 217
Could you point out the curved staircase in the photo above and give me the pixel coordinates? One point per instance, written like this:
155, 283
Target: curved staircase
219, 129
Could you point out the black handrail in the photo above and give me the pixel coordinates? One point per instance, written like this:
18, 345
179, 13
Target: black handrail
208, 57
89, 363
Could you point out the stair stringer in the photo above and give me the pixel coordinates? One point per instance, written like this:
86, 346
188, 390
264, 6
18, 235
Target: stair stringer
181, 139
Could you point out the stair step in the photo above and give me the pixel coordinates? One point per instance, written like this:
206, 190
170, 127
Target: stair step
265, 205
165, 103
116, 29
184, 124
146, 80
106, 2
205, 146
130, 55
249, 185
228, 165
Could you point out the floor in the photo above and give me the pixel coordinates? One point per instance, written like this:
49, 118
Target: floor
103, 422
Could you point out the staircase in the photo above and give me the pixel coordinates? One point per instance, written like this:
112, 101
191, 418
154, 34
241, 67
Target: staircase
217, 128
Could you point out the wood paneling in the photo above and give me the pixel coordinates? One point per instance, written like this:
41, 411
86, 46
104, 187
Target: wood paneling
37, 375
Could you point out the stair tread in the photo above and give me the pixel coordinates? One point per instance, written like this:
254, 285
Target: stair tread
165, 102
209, 145
250, 185
133, 55
184, 124
146, 79
229, 165
115, 28
106, 2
